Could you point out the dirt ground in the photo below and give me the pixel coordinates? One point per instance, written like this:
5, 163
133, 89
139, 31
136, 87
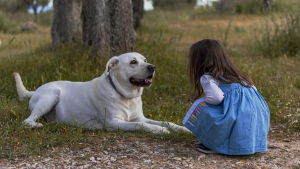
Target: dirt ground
148, 153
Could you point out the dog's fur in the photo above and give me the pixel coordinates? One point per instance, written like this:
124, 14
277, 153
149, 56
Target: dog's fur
110, 102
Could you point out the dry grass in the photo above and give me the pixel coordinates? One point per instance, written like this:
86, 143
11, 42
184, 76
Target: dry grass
24, 43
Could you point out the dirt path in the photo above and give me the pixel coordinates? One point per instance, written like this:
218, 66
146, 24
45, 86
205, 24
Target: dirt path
148, 153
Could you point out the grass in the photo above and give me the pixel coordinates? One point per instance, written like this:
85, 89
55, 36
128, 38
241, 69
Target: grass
164, 40
281, 37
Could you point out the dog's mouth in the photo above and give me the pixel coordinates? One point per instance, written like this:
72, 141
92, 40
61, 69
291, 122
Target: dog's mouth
142, 82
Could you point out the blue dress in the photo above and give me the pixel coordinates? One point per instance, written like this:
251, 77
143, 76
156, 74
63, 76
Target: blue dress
237, 126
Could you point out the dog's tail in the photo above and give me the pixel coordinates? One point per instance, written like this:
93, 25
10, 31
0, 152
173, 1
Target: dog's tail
22, 92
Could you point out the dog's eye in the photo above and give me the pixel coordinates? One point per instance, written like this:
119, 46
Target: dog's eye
145, 60
133, 62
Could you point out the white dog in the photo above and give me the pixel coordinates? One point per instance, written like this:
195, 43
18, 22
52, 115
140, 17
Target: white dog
110, 102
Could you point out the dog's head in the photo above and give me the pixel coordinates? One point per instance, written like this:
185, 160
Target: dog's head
130, 73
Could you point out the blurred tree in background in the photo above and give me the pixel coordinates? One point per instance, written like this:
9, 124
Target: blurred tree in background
108, 26
66, 26
34, 4
138, 12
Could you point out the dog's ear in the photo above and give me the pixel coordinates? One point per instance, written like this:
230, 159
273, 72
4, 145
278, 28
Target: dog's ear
113, 62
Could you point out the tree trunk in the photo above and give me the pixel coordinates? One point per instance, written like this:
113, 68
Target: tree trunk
66, 27
266, 5
138, 12
34, 8
108, 25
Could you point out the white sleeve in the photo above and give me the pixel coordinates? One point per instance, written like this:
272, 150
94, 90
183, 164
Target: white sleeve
213, 94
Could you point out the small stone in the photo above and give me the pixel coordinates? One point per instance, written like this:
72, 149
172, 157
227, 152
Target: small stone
147, 161
120, 146
93, 159
177, 158
131, 156
86, 166
112, 159
144, 156
87, 149
148, 151
201, 156
46, 160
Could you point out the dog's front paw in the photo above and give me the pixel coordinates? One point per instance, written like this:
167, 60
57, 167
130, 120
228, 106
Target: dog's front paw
183, 129
161, 130
32, 124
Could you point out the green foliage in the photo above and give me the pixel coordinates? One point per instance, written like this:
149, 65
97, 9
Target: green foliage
13, 5
254, 6
278, 38
240, 6
3, 26
45, 19
248, 7
173, 4
13, 13
7, 25
284, 6
11, 22
35, 3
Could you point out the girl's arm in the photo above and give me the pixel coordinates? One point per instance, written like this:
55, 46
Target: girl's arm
213, 94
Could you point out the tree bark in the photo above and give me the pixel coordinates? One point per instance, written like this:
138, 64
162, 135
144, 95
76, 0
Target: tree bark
108, 26
66, 27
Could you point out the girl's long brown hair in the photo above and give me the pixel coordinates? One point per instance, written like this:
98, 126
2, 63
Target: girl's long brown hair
210, 56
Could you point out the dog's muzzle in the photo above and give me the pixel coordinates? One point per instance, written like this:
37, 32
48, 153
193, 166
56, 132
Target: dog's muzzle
144, 82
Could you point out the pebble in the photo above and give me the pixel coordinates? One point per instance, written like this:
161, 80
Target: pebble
177, 158
144, 156
93, 159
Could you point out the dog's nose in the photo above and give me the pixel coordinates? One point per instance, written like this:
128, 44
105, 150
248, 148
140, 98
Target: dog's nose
151, 68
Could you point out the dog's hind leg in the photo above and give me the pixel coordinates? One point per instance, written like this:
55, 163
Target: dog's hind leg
41, 107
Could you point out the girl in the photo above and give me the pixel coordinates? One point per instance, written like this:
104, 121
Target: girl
232, 118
